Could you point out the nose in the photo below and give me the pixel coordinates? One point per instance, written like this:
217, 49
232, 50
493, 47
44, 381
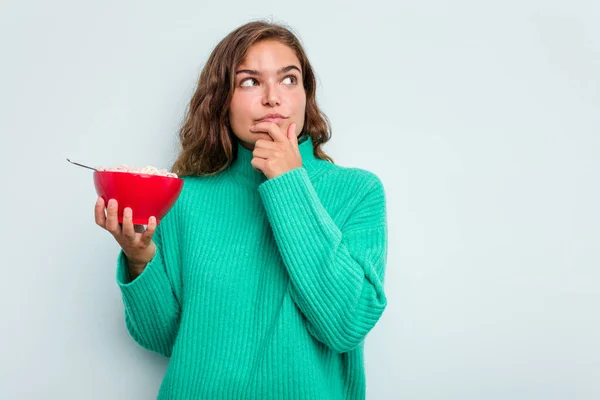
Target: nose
271, 95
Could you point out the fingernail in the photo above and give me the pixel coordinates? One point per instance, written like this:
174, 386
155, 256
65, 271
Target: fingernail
127, 212
111, 203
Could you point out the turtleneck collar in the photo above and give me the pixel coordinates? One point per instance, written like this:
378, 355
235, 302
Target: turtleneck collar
243, 172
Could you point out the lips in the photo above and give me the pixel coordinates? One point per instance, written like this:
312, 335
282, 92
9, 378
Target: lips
272, 118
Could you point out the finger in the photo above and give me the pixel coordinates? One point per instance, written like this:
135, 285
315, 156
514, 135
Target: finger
291, 133
258, 164
112, 221
271, 128
267, 144
128, 229
149, 232
263, 136
99, 212
261, 152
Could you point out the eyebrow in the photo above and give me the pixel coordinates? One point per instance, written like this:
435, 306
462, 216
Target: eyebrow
254, 72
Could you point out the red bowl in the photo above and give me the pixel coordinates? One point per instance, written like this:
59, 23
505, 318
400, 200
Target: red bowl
147, 195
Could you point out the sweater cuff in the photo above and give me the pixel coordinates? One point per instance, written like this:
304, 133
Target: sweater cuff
146, 290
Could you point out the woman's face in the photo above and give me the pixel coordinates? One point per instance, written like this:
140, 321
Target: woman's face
268, 81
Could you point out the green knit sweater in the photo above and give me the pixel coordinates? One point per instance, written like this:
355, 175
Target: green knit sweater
264, 288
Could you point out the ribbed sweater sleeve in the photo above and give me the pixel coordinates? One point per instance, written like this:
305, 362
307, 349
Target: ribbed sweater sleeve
336, 274
152, 311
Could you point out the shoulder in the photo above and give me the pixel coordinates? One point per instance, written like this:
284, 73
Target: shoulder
358, 181
193, 187
355, 196
193, 184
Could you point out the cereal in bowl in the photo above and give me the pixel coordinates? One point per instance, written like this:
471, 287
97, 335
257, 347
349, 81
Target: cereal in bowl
144, 170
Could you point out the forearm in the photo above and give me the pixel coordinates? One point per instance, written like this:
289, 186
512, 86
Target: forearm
336, 276
152, 311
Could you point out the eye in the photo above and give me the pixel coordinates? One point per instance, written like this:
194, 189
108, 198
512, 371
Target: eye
247, 80
293, 79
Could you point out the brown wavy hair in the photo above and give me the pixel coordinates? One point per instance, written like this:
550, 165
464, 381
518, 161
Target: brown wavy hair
208, 145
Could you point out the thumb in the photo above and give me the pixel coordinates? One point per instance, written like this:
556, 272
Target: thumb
292, 134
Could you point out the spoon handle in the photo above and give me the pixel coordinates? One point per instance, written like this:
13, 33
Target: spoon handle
81, 165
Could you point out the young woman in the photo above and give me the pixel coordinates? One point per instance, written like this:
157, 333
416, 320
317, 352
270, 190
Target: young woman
265, 277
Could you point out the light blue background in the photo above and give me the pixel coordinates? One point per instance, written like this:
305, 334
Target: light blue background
481, 118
